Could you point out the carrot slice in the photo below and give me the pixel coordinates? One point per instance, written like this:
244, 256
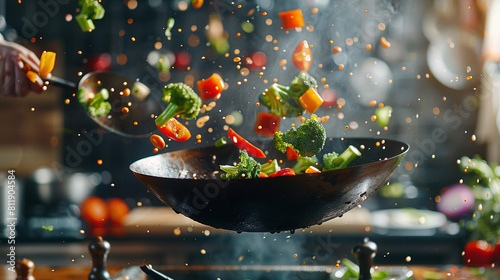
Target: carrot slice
47, 62
291, 19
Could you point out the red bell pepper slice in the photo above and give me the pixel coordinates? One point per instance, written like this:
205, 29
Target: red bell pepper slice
211, 87
291, 19
291, 154
267, 124
243, 144
283, 172
302, 56
175, 130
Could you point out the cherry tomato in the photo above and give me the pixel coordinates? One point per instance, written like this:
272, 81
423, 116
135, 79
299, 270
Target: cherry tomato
302, 56
291, 154
291, 19
175, 130
478, 253
267, 124
211, 87
118, 211
329, 97
243, 144
182, 60
256, 60
496, 253
94, 211
283, 172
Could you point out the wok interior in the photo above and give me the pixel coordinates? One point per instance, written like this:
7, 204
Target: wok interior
203, 163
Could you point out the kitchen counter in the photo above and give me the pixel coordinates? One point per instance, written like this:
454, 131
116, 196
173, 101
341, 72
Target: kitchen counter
419, 272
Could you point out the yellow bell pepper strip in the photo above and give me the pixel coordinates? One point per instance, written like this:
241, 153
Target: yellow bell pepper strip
31, 76
291, 19
312, 170
311, 100
243, 144
47, 62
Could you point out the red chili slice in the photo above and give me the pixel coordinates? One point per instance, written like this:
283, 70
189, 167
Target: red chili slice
243, 144
267, 124
283, 172
175, 130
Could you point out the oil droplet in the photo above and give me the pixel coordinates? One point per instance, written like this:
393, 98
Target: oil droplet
473, 137
408, 259
99, 161
203, 252
177, 231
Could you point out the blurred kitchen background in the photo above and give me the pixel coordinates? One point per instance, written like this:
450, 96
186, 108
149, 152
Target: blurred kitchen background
438, 70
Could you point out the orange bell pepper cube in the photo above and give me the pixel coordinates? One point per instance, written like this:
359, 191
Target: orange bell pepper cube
47, 62
267, 124
211, 87
175, 130
31, 76
291, 154
302, 56
312, 170
311, 100
243, 144
291, 19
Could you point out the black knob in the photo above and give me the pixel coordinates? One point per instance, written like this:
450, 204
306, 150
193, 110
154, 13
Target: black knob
99, 250
365, 253
24, 269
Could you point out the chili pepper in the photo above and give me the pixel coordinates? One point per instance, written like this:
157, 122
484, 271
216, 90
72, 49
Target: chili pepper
283, 172
291, 19
211, 87
47, 62
291, 154
243, 144
267, 124
311, 100
175, 130
302, 56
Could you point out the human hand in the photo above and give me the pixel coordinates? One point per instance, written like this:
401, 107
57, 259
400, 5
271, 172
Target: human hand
15, 61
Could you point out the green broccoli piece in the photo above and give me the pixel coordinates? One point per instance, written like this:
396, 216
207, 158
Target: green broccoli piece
90, 10
284, 101
270, 167
99, 109
97, 106
306, 140
301, 84
335, 161
247, 168
182, 100
383, 115
303, 163
279, 102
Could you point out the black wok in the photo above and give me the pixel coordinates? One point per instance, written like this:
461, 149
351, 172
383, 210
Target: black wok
188, 181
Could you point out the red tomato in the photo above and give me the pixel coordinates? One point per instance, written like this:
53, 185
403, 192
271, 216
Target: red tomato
256, 60
496, 253
329, 97
182, 61
211, 87
266, 124
291, 154
94, 211
175, 130
118, 211
283, 172
243, 144
478, 253
302, 56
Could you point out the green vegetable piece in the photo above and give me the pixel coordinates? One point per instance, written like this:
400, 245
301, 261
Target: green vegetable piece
247, 27
247, 168
164, 64
383, 115
307, 140
301, 84
83, 97
335, 161
182, 100
220, 45
100, 109
303, 163
221, 142
270, 167
351, 267
85, 23
170, 25
48, 228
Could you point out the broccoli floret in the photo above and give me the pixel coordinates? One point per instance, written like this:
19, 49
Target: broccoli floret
284, 101
303, 163
247, 168
99, 109
182, 100
270, 167
278, 101
301, 84
90, 10
335, 161
97, 106
306, 140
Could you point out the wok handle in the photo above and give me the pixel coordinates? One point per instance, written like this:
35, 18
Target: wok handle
60, 82
365, 253
153, 273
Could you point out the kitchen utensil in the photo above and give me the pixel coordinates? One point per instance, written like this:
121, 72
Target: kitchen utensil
136, 123
407, 222
188, 181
